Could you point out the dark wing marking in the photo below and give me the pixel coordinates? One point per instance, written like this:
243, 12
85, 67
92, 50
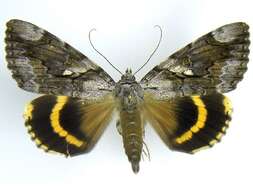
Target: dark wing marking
191, 123
42, 63
66, 125
214, 62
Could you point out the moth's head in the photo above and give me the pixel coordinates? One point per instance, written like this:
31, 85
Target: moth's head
128, 76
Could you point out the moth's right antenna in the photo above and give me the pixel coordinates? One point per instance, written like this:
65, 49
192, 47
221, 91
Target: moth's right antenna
154, 49
101, 53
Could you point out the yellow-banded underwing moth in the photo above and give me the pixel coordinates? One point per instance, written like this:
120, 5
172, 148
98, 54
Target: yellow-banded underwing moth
181, 97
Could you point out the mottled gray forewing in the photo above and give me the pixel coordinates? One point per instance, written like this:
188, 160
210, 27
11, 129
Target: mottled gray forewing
42, 63
214, 62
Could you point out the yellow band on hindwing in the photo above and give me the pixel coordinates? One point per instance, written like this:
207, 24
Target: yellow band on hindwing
28, 112
200, 123
55, 122
228, 106
28, 116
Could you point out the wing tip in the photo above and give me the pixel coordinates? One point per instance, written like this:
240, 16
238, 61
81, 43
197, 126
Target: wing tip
14, 21
240, 24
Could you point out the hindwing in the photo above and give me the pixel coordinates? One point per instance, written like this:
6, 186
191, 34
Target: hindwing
67, 125
190, 123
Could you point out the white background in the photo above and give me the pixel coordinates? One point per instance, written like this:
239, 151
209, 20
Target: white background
125, 34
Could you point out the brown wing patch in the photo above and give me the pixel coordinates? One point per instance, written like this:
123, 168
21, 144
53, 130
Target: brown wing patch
161, 116
96, 117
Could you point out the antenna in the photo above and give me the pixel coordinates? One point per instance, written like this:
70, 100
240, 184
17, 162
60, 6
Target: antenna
101, 53
153, 51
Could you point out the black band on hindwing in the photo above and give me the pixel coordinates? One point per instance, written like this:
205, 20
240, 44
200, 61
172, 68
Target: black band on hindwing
71, 115
210, 131
40, 125
187, 114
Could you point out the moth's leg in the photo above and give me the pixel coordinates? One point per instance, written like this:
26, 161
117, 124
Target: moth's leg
145, 151
118, 126
143, 129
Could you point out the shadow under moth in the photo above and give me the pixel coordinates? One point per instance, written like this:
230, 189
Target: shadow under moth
182, 97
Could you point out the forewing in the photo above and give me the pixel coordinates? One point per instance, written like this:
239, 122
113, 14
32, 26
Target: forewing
70, 126
191, 123
42, 63
214, 62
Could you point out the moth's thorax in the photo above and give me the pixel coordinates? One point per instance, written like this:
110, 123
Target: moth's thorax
128, 91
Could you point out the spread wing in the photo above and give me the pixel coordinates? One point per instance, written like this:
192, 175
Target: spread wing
70, 126
214, 62
42, 63
191, 123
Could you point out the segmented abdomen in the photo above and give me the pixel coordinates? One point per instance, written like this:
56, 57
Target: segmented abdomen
132, 133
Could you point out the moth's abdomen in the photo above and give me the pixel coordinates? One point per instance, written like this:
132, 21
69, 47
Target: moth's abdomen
132, 133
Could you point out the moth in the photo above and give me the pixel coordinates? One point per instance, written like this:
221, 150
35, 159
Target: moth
182, 97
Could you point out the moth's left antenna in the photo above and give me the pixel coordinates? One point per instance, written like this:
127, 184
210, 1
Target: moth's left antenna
161, 35
101, 53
